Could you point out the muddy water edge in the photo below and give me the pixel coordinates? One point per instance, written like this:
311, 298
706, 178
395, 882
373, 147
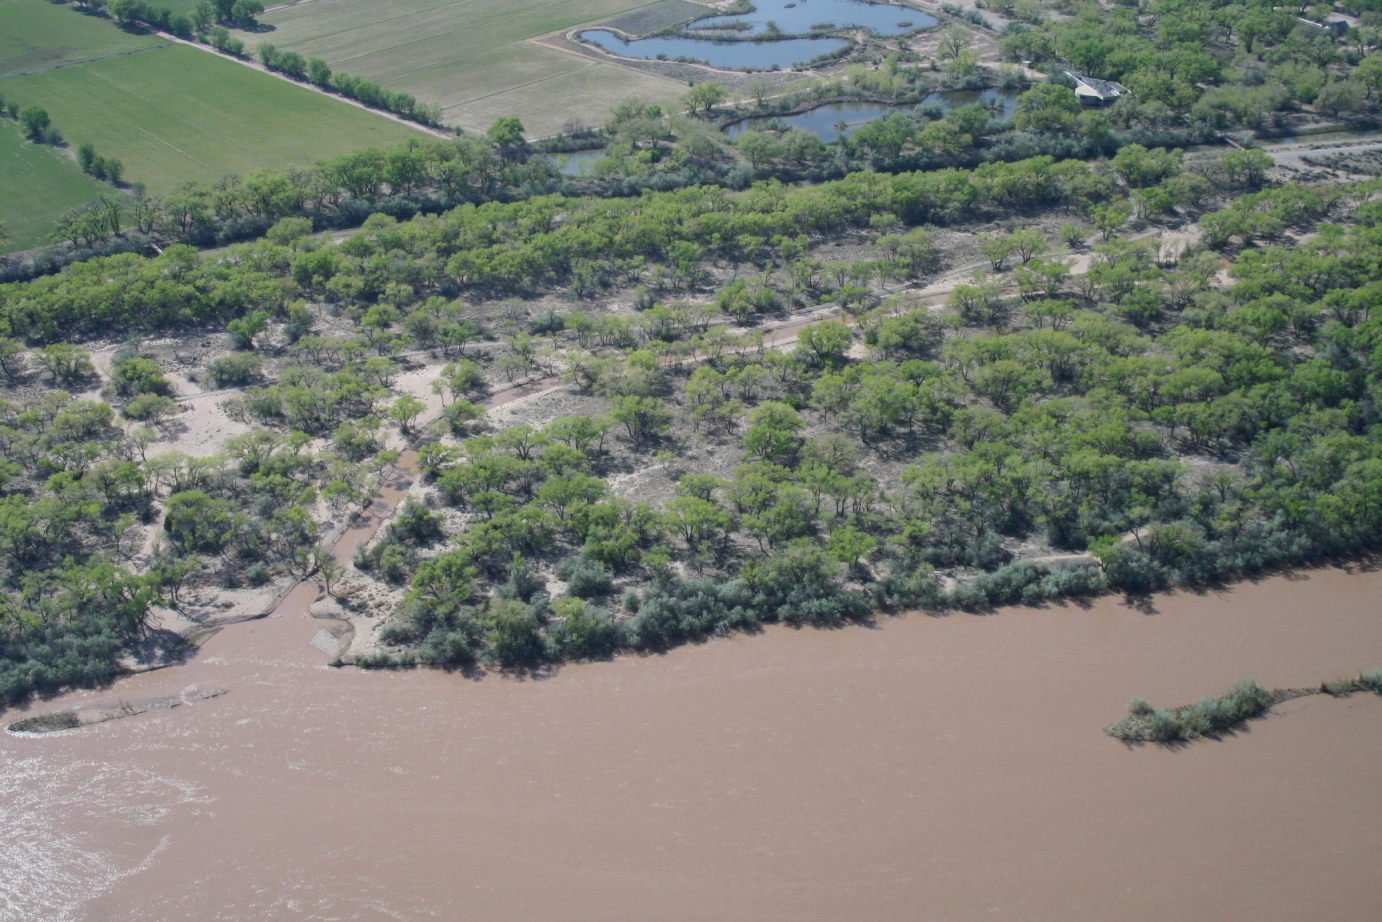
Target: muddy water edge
921, 768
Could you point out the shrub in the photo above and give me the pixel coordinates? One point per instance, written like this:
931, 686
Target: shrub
584, 577
584, 631
416, 524
1207, 717
683, 610
195, 521
514, 637
133, 375
151, 408
235, 370
523, 582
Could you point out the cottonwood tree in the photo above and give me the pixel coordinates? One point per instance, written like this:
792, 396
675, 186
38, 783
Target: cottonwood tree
405, 411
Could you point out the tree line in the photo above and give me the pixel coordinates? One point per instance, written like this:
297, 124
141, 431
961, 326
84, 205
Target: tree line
495, 247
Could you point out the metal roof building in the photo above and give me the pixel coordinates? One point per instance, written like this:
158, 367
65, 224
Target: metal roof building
1094, 92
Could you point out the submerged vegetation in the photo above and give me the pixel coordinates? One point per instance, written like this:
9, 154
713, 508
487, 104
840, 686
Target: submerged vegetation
1214, 715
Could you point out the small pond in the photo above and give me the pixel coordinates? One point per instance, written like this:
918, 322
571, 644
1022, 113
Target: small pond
580, 163
726, 55
797, 17
823, 119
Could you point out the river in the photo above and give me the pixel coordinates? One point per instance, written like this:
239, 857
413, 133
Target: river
922, 768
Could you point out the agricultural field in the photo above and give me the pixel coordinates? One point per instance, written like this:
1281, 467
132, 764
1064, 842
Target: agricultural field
36, 33
37, 184
174, 114
472, 58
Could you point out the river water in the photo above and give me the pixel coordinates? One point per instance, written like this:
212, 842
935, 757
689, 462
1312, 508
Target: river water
922, 768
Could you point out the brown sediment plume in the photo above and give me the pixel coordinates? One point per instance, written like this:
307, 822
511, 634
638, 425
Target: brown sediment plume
924, 768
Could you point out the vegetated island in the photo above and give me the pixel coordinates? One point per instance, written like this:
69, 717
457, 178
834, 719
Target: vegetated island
73, 719
1212, 716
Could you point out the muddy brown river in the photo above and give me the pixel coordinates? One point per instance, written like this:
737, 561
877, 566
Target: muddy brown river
926, 768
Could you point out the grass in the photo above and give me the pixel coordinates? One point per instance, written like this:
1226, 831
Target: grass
1212, 716
470, 58
36, 33
174, 114
37, 184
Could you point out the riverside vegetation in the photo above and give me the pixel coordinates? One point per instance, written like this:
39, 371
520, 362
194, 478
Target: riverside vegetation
1179, 430
1152, 417
1194, 71
1214, 715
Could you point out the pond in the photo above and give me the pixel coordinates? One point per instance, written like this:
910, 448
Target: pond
824, 119
580, 163
727, 55
796, 17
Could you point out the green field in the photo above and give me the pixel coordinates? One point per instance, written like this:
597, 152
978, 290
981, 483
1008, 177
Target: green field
470, 57
174, 113
37, 184
36, 33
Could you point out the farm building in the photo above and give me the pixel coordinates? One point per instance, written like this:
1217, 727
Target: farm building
1093, 92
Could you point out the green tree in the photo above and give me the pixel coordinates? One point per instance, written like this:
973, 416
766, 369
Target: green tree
246, 328
151, 408
954, 40
35, 122
996, 249
328, 568
244, 12
1248, 167
507, 134
1140, 167
1108, 218
703, 97
203, 15
196, 521
125, 11
825, 343
405, 411
773, 433
644, 417
1047, 107
849, 546
699, 522
11, 358
318, 72
65, 363
760, 88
